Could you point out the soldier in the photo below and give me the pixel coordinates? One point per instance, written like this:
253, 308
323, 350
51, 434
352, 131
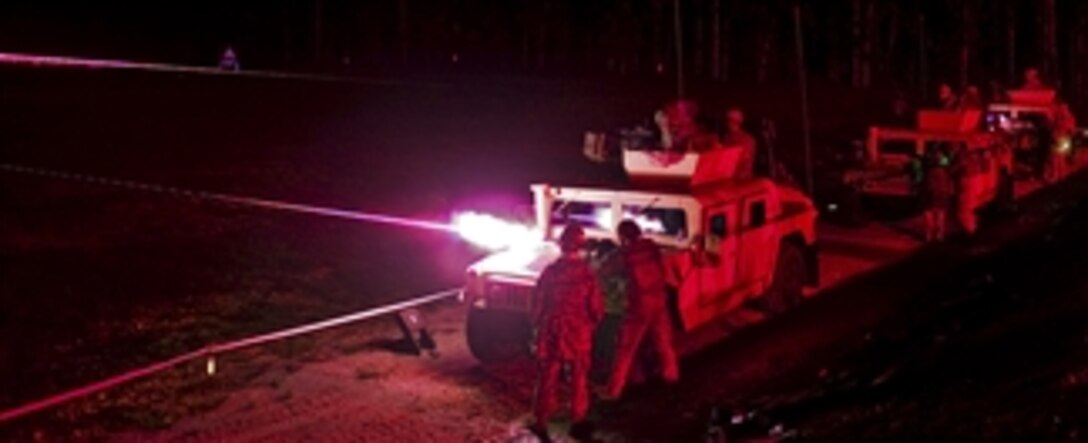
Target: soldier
997, 92
735, 137
1062, 128
902, 114
1032, 81
965, 170
972, 98
946, 97
936, 194
229, 60
681, 118
568, 304
661, 121
646, 312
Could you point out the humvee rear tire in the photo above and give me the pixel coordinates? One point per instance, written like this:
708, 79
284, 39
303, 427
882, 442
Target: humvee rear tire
495, 336
787, 287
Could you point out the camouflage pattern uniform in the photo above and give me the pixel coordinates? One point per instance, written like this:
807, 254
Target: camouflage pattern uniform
646, 314
568, 306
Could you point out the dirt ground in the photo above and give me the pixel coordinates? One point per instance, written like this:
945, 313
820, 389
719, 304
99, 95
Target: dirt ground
951, 353
951, 349
983, 341
97, 280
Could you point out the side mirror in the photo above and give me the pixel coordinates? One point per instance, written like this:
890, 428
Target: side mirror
703, 252
711, 243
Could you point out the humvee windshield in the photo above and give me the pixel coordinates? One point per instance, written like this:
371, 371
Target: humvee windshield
670, 222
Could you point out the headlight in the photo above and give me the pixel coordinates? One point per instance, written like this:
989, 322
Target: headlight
507, 296
474, 287
1065, 144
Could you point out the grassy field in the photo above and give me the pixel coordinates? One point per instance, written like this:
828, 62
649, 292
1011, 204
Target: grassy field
97, 280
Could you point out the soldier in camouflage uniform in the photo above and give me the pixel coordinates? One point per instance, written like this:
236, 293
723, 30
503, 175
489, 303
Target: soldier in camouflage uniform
647, 315
568, 305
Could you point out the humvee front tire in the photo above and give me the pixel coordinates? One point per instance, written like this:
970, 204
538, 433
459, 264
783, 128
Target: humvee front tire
788, 283
495, 336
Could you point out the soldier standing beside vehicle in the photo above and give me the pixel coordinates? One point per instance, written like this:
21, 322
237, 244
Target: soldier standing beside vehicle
646, 313
965, 171
568, 305
1063, 125
937, 191
735, 137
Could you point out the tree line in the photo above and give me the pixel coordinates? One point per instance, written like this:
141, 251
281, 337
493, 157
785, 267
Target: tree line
905, 44
865, 43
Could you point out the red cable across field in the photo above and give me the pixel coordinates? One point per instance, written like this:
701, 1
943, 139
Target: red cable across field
219, 348
213, 349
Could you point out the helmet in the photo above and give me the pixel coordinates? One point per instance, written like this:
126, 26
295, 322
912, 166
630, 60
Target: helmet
628, 230
572, 238
734, 115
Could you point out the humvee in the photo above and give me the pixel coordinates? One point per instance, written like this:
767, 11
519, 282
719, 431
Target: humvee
731, 242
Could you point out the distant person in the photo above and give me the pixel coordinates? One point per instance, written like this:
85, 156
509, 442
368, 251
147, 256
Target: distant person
937, 192
901, 110
661, 121
680, 128
1065, 123
946, 97
229, 60
1032, 80
568, 305
971, 99
735, 137
965, 174
997, 92
1063, 127
647, 314
681, 118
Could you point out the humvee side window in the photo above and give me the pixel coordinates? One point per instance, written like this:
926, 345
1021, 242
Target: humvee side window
757, 214
670, 222
589, 215
718, 225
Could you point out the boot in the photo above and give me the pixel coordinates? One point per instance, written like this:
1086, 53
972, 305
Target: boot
582, 431
540, 432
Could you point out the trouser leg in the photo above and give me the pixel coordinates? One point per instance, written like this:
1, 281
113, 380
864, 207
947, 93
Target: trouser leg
579, 394
547, 381
661, 337
630, 336
970, 219
966, 215
930, 225
939, 224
